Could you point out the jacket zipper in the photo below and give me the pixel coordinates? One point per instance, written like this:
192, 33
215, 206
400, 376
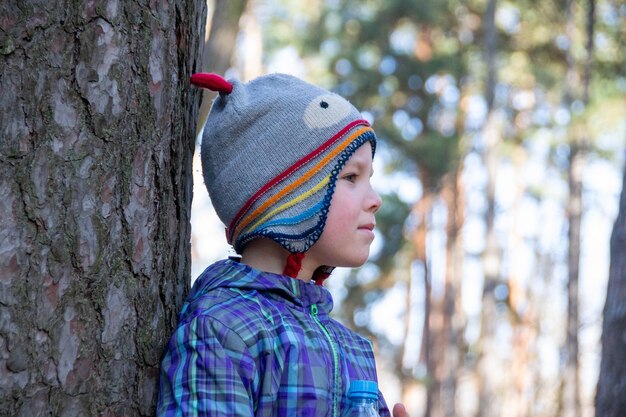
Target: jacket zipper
336, 379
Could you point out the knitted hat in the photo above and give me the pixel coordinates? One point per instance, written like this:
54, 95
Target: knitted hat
271, 151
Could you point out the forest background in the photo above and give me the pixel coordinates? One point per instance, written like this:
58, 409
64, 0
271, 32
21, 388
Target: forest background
501, 130
497, 280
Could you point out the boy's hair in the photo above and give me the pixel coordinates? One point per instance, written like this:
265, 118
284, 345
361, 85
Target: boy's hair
271, 151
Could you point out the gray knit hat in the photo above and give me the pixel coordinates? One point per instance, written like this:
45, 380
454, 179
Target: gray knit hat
271, 151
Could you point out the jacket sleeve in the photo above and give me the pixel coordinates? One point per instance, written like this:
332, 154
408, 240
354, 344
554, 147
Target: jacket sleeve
206, 371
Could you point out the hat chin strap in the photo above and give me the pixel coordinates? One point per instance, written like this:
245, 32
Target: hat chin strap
321, 273
294, 265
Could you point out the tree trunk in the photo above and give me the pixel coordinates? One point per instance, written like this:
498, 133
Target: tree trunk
570, 391
571, 379
452, 312
97, 125
219, 47
492, 132
524, 322
487, 363
223, 35
423, 210
611, 391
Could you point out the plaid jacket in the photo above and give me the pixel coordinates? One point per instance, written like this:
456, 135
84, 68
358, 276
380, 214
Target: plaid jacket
250, 343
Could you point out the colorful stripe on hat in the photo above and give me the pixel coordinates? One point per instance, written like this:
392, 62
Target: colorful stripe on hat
276, 208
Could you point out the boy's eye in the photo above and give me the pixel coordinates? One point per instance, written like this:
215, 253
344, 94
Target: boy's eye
350, 177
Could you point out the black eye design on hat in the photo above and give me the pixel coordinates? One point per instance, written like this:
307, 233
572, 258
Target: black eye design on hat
325, 111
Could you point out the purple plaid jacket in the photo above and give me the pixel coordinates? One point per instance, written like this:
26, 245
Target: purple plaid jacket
251, 343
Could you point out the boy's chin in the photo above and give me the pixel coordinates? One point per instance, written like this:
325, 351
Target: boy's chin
356, 262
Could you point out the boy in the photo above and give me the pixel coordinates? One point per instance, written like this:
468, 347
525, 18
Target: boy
287, 166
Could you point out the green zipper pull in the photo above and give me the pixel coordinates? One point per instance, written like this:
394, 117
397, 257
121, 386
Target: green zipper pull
314, 310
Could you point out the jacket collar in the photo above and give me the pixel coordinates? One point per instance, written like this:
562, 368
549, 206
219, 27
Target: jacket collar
235, 275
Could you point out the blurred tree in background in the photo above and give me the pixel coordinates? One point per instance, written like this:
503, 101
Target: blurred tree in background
610, 398
501, 127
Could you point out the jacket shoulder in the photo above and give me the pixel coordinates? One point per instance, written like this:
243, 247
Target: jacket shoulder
245, 312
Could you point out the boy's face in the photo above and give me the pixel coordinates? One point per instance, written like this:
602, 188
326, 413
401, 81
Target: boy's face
349, 229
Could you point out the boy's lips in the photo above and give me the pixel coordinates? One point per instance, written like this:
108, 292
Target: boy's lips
368, 226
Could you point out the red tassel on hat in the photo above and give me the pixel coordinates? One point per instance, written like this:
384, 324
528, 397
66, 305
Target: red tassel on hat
212, 81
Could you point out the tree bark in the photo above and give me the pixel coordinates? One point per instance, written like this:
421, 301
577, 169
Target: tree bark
611, 391
97, 125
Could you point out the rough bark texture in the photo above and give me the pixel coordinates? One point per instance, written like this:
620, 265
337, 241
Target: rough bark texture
97, 126
611, 392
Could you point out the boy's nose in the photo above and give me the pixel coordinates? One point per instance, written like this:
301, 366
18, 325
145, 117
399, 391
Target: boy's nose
375, 202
